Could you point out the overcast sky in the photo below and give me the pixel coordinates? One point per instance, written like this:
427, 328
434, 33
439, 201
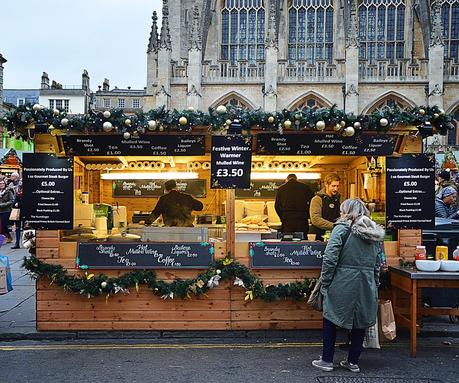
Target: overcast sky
108, 38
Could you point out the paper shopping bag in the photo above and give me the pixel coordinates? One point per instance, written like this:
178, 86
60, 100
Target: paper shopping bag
6, 280
388, 327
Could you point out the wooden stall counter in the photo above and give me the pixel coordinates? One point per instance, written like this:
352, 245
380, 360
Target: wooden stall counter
409, 281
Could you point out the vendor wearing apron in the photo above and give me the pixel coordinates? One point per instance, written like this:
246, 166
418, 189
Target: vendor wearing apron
324, 209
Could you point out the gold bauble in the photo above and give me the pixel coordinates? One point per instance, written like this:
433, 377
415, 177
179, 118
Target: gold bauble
183, 120
270, 119
287, 124
422, 112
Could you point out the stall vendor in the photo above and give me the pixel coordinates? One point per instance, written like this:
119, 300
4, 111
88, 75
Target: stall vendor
292, 205
175, 207
324, 210
445, 204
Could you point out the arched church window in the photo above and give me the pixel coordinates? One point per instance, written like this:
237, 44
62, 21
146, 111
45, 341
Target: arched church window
243, 31
234, 100
309, 102
390, 102
450, 22
381, 30
310, 30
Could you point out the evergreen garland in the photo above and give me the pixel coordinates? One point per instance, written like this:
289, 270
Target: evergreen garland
92, 285
428, 120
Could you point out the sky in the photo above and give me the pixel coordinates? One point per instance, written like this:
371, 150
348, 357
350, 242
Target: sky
108, 38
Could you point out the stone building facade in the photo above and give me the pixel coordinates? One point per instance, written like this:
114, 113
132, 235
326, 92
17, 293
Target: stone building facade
275, 54
130, 100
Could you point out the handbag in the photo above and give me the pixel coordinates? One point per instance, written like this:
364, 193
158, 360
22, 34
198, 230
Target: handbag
15, 214
316, 298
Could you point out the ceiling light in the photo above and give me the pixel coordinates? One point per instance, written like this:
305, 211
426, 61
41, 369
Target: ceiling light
149, 176
283, 176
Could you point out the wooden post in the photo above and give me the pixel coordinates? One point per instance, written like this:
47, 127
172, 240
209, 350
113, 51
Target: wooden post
230, 223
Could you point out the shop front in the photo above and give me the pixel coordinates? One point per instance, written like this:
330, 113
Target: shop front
106, 265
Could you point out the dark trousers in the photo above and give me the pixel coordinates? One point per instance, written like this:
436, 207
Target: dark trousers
329, 339
5, 221
17, 232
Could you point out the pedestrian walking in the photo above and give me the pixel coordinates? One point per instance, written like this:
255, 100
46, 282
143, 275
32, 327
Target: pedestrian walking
6, 203
350, 280
17, 216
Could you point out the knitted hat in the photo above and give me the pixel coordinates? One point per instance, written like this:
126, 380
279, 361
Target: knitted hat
447, 191
445, 174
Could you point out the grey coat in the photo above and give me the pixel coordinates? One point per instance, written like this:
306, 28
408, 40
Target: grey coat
350, 278
6, 200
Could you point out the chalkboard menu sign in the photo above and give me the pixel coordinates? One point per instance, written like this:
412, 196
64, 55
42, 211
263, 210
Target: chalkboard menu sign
286, 255
325, 144
155, 188
144, 255
410, 192
48, 187
268, 188
144, 145
230, 162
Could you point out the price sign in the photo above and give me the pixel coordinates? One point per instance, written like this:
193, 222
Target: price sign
410, 188
313, 144
48, 185
231, 162
143, 145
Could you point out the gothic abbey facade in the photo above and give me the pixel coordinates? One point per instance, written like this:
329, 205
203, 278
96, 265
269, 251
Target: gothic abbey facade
276, 54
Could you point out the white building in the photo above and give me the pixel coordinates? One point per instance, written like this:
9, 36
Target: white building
275, 54
74, 99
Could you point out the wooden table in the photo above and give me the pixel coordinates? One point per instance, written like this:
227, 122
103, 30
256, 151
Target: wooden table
409, 281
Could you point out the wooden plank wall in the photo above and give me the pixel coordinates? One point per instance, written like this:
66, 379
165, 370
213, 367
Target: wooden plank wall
224, 307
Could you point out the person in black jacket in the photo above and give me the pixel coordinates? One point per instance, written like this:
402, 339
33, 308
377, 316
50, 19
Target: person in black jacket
175, 207
292, 205
17, 204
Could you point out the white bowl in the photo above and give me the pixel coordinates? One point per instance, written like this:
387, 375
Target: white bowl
425, 265
449, 265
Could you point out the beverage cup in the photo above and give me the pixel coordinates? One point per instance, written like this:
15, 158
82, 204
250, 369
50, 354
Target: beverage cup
311, 237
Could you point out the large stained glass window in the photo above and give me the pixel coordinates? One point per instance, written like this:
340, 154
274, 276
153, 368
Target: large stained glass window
450, 22
381, 30
243, 31
310, 31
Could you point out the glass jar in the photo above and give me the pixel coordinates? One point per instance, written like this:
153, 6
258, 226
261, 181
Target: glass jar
421, 253
441, 253
456, 254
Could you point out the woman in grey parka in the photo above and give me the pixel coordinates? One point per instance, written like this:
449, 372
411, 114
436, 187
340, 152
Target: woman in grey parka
350, 280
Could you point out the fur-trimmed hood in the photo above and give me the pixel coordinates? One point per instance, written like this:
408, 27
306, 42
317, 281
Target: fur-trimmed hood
368, 229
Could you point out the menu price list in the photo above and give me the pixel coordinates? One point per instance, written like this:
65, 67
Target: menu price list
410, 188
144, 145
325, 144
231, 162
48, 185
150, 255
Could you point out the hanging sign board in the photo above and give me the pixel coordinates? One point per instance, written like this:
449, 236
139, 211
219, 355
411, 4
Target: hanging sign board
144, 145
286, 255
144, 255
48, 191
314, 144
410, 192
155, 188
231, 162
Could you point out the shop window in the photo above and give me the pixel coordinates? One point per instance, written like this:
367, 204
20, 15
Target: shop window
381, 30
51, 104
107, 103
67, 106
121, 103
136, 103
59, 104
310, 31
243, 31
